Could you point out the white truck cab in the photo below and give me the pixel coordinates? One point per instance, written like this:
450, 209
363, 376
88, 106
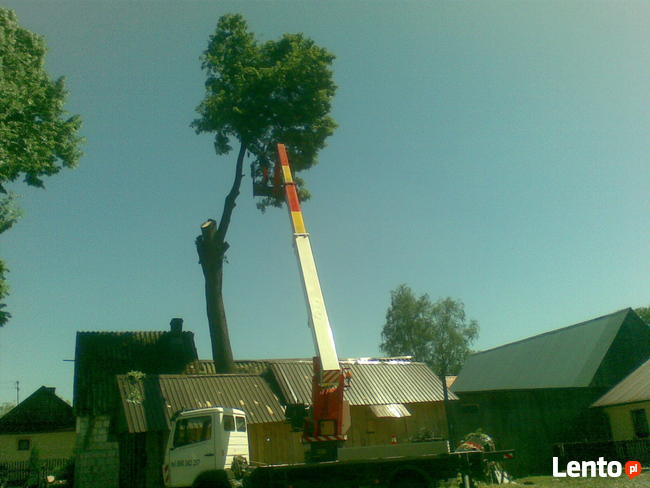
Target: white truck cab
201, 441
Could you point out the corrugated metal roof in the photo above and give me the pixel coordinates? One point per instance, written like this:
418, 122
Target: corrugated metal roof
563, 358
99, 356
374, 382
634, 388
148, 404
394, 410
206, 366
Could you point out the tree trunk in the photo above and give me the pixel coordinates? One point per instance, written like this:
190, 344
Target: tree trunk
211, 247
448, 412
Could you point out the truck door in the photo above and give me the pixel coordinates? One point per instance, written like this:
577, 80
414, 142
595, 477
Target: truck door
193, 449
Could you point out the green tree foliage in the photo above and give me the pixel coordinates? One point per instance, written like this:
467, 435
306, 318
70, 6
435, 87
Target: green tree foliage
257, 94
37, 137
438, 334
6, 407
9, 214
260, 94
644, 313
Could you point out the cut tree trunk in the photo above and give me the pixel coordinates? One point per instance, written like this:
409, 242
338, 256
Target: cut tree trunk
211, 256
211, 247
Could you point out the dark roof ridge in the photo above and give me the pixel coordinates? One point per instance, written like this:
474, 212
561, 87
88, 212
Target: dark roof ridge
554, 331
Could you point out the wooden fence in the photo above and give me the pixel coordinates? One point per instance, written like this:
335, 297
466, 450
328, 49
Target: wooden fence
622, 451
16, 473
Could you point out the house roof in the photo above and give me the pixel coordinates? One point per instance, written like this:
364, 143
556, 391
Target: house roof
562, 358
633, 388
374, 382
99, 356
149, 403
246, 366
42, 411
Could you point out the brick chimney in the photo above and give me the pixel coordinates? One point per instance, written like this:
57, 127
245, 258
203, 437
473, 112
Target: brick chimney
176, 326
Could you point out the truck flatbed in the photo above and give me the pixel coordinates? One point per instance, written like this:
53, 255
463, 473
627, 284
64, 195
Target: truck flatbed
420, 471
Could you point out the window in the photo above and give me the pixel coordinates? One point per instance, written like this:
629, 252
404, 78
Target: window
640, 423
241, 423
228, 423
189, 431
24, 444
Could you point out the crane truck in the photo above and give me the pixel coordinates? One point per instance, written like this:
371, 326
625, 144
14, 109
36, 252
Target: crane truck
208, 447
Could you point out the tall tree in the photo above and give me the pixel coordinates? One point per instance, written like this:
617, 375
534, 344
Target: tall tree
257, 94
438, 334
37, 136
644, 313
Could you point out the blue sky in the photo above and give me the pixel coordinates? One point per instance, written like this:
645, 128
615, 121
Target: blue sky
495, 152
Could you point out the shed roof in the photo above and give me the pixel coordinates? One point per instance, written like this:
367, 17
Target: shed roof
634, 388
149, 403
374, 382
241, 366
99, 356
562, 358
42, 411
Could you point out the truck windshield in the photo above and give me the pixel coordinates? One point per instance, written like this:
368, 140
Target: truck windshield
195, 429
228, 423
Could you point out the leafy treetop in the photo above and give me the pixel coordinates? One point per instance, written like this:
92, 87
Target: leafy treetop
644, 313
37, 138
438, 334
265, 93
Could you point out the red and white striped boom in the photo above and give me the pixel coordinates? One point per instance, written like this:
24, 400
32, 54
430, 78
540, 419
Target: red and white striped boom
318, 320
326, 428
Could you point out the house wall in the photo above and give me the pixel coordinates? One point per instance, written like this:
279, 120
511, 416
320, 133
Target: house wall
50, 445
97, 456
368, 430
531, 422
141, 459
620, 419
275, 443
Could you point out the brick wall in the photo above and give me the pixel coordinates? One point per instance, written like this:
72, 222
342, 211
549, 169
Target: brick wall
97, 460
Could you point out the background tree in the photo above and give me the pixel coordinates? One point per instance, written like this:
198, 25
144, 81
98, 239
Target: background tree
438, 334
644, 313
6, 407
257, 95
37, 137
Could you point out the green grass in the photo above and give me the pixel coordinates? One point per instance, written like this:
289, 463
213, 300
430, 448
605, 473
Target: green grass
641, 481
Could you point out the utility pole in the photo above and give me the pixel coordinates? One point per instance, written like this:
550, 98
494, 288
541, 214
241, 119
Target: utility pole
17, 392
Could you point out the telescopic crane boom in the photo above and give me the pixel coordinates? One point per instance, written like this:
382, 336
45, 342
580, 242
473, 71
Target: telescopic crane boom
326, 428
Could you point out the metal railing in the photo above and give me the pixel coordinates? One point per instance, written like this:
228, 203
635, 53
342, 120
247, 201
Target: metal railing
622, 451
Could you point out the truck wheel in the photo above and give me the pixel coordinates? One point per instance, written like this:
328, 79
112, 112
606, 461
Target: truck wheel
212, 479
